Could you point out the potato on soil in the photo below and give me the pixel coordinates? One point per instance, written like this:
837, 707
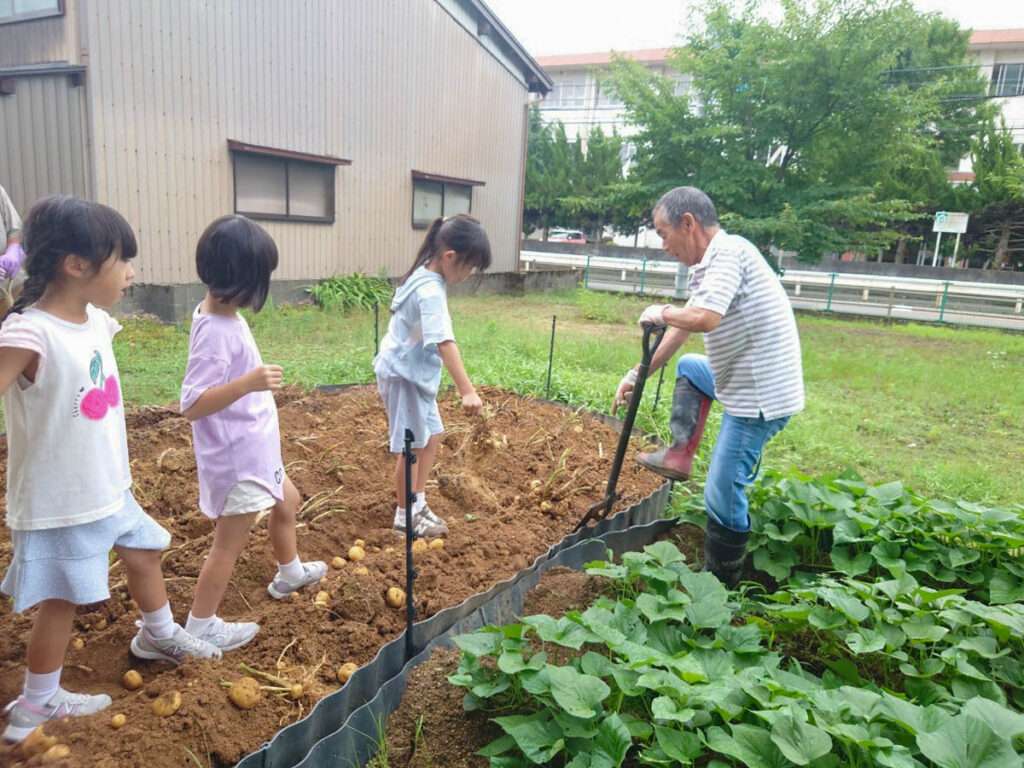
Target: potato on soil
437, 544
338, 562
419, 546
361, 571
345, 671
118, 720
77, 644
37, 742
356, 553
56, 753
395, 597
359, 543
167, 704
322, 598
244, 693
132, 680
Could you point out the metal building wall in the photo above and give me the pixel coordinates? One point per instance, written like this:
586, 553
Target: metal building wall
393, 85
42, 41
42, 140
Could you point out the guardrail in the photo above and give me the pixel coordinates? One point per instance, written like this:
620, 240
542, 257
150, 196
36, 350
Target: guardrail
945, 301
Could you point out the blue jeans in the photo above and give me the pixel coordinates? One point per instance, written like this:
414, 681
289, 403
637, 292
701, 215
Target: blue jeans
736, 457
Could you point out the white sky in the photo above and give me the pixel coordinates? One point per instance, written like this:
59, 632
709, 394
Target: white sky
547, 27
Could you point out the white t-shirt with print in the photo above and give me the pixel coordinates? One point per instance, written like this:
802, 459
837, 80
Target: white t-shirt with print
66, 442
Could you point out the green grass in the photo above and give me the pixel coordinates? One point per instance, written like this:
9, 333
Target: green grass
938, 408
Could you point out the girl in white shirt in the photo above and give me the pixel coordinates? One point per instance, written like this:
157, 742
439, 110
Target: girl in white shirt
69, 499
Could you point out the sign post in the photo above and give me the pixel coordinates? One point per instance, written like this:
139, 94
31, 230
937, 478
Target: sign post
947, 221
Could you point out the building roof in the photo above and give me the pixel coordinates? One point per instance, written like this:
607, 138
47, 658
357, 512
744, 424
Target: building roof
592, 59
995, 37
488, 23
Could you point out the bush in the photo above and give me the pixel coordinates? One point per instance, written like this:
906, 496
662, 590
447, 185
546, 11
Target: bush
347, 292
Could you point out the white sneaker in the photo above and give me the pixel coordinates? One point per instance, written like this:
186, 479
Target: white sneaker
312, 572
26, 717
173, 649
228, 635
424, 523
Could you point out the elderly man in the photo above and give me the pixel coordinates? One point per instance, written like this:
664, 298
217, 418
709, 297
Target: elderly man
752, 367
11, 254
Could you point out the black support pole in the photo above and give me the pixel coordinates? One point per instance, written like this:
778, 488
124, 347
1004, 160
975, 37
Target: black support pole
376, 329
410, 572
551, 354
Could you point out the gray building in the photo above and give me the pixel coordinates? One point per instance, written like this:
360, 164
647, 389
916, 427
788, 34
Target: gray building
342, 126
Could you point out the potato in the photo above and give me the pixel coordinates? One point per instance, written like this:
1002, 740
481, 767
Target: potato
395, 597
37, 742
546, 506
322, 598
419, 546
388, 550
77, 644
118, 720
345, 671
56, 753
167, 704
338, 562
356, 553
132, 680
359, 543
323, 581
100, 624
295, 692
361, 571
437, 544
244, 693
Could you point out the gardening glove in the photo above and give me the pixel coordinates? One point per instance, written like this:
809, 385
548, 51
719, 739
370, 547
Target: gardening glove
653, 315
624, 391
10, 262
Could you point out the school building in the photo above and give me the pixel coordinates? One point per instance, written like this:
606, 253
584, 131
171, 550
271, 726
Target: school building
343, 127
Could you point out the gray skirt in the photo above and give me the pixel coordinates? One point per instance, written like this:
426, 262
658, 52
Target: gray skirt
408, 409
72, 563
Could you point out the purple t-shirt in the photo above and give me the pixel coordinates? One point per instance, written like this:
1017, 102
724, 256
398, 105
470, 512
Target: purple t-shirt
243, 441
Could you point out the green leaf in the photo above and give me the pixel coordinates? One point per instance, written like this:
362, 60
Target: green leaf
886, 493
664, 708
751, 745
479, 643
562, 631
96, 368
512, 662
537, 735
777, 563
924, 631
665, 552
966, 741
611, 744
496, 747
865, 641
1003, 721
1005, 588
845, 561
799, 741
578, 694
680, 745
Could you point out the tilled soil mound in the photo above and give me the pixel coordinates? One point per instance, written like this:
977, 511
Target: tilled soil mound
509, 484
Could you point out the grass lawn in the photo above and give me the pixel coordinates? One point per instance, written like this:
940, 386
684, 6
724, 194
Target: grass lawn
941, 409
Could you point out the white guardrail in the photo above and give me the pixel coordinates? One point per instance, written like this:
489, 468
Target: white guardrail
951, 301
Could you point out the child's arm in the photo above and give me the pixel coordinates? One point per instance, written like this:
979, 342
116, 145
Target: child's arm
471, 402
266, 377
15, 361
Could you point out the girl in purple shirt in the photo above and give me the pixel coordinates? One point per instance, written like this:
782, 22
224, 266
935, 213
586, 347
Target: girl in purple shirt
227, 397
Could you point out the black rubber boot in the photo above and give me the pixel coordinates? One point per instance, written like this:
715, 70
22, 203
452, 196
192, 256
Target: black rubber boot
724, 552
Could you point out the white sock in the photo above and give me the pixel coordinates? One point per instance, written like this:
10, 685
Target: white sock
39, 689
421, 502
196, 626
159, 623
400, 516
291, 572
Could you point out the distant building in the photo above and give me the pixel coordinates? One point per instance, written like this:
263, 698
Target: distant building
342, 126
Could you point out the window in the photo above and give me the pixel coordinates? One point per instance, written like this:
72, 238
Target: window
1008, 80
26, 10
283, 185
567, 94
607, 97
434, 195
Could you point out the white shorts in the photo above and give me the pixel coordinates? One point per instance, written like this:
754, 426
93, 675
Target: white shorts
247, 497
408, 409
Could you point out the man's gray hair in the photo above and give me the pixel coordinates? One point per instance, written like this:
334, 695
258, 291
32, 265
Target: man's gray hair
674, 203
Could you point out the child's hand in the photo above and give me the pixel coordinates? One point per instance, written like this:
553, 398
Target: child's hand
266, 377
472, 404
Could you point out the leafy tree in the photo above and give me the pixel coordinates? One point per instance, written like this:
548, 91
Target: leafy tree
998, 196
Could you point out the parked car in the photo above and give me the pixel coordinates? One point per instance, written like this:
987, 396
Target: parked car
566, 236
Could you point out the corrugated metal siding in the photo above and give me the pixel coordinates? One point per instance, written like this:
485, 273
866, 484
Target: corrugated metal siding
393, 85
42, 41
42, 140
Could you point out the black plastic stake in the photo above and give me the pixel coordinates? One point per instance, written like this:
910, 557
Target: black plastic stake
657, 392
551, 355
376, 329
410, 572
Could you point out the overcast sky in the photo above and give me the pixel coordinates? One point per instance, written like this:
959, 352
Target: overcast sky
547, 27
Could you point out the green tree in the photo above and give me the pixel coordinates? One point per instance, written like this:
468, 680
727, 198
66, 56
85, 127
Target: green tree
997, 196
805, 119
598, 172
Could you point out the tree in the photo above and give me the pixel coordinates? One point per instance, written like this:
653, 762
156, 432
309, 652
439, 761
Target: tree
998, 196
804, 121
598, 171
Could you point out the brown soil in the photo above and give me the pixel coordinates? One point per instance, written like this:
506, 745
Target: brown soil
335, 451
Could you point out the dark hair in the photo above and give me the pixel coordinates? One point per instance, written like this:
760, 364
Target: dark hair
460, 233
681, 200
63, 225
234, 259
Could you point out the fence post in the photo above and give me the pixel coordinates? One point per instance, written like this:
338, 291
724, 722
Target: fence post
551, 356
831, 285
586, 275
945, 293
643, 274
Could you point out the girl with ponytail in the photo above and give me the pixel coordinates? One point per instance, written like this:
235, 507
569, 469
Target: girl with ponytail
69, 498
418, 343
